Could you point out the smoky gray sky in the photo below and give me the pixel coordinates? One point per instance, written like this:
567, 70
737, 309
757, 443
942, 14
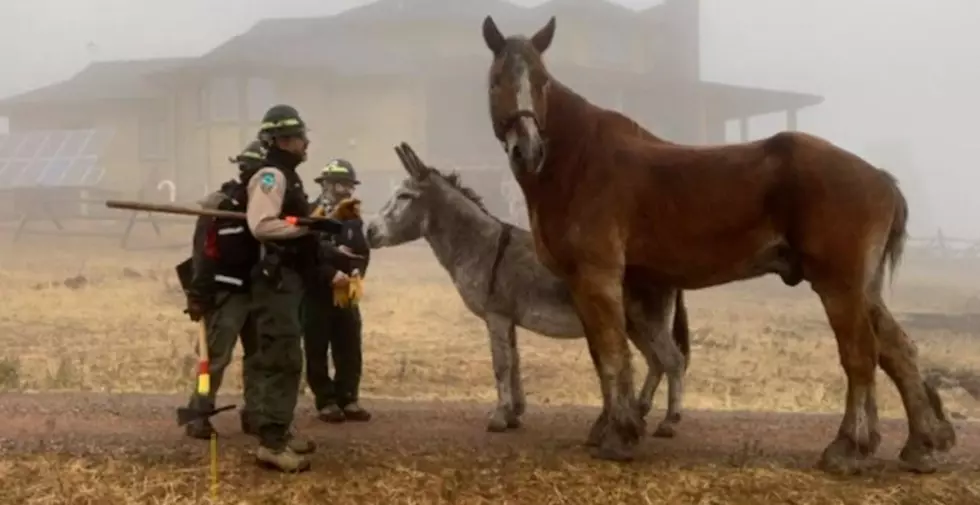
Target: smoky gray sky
893, 72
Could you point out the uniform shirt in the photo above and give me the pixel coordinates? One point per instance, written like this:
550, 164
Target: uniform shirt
266, 191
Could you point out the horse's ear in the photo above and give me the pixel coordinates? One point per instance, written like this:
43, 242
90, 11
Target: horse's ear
542, 40
492, 36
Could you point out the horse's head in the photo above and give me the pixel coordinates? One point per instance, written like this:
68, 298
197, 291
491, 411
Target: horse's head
402, 218
518, 90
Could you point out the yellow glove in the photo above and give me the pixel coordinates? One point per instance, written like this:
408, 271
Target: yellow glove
349, 295
356, 288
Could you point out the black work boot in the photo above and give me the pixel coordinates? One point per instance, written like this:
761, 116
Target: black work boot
331, 414
354, 412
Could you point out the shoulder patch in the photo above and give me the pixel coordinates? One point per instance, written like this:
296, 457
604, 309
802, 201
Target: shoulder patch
267, 182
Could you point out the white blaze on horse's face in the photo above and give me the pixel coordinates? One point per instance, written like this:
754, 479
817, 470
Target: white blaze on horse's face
523, 142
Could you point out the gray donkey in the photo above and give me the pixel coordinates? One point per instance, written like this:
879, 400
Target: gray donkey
494, 267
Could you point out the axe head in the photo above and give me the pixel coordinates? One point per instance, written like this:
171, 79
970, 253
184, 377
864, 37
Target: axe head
187, 415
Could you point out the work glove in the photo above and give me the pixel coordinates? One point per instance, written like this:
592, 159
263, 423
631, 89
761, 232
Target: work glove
198, 306
348, 209
347, 293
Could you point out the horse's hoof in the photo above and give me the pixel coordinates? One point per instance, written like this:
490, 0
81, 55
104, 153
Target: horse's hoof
920, 464
643, 409
519, 409
665, 430
842, 457
918, 459
513, 423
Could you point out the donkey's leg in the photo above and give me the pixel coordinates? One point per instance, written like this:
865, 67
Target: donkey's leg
500, 328
929, 429
856, 343
598, 297
649, 311
516, 384
635, 324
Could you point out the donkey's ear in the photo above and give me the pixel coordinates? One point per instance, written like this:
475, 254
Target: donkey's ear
415, 168
542, 40
419, 168
492, 36
406, 163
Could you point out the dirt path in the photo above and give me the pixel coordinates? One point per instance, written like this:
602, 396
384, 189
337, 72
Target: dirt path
145, 424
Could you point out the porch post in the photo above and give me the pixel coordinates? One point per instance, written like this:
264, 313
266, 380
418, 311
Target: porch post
743, 129
791, 119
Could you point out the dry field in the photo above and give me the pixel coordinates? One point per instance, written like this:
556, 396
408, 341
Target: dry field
86, 318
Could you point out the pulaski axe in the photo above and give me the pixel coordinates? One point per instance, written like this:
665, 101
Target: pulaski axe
185, 415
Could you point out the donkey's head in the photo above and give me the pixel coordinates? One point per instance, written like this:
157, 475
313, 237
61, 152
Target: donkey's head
406, 215
402, 218
518, 90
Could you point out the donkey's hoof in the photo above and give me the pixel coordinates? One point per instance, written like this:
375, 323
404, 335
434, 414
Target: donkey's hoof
665, 430
614, 451
513, 423
945, 436
496, 424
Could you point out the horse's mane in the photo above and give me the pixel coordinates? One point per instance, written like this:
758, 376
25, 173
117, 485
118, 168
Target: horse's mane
454, 180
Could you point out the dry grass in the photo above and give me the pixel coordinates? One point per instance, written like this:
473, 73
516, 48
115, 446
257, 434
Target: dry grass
384, 476
84, 317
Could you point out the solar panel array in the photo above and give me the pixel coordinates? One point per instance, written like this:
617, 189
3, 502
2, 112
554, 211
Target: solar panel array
52, 158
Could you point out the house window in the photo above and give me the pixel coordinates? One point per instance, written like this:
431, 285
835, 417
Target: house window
261, 94
221, 99
152, 138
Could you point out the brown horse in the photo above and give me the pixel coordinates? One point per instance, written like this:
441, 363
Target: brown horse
615, 211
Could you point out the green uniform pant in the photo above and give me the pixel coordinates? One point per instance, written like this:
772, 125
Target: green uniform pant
278, 357
231, 319
332, 332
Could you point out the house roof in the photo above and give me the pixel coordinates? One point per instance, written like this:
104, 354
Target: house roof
101, 80
321, 41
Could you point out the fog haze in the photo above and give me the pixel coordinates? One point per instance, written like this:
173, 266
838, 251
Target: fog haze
893, 73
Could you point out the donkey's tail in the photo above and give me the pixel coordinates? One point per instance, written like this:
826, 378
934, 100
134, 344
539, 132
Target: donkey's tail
898, 234
681, 331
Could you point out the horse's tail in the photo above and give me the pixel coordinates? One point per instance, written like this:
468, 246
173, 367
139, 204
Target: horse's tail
681, 331
898, 234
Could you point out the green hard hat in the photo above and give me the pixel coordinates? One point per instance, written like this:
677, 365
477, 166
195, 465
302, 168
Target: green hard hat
338, 170
282, 121
252, 157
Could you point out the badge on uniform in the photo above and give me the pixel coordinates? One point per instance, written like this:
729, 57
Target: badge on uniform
267, 182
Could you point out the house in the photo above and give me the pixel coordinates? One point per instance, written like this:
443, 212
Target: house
108, 119
391, 71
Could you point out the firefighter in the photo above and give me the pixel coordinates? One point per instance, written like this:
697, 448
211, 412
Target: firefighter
224, 254
332, 331
289, 254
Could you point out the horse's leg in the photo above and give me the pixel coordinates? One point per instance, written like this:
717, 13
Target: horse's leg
499, 328
649, 311
847, 312
598, 297
928, 428
516, 384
